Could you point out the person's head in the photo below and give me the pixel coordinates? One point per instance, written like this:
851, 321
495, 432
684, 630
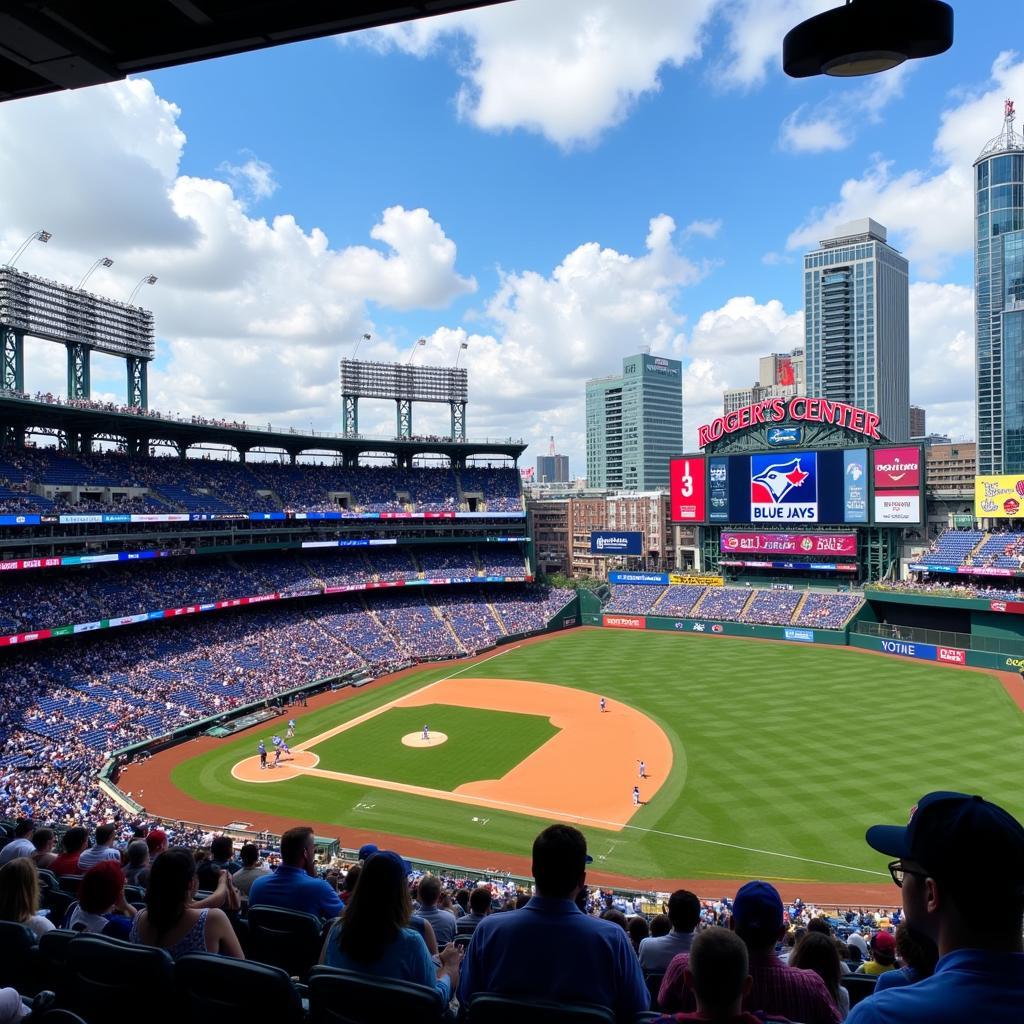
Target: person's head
222, 849
378, 909
661, 924
718, 972
298, 849
74, 840
560, 862
23, 828
616, 917
638, 930
462, 898
684, 910
916, 950
352, 877
171, 886
960, 866
428, 890
249, 855
139, 830
883, 948
104, 834
157, 842
19, 890
44, 840
819, 924
757, 916
101, 887
816, 952
138, 853
480, 900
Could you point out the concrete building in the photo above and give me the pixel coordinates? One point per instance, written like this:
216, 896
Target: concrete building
635, 424
949, 475
857, 324
552, 469
918, 421
780, 375
548, 524
999, 300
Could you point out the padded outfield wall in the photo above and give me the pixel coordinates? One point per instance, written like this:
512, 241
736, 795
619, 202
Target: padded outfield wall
715, 627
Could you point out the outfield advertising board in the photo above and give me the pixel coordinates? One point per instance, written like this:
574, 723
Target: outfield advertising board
803, 635
649, 578
815, 566
624, 621
686, 489
616, 542
695, 581
912, 649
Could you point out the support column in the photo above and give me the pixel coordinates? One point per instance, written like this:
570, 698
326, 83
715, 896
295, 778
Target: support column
404, 417
138, 386
79, 385
458, 421
349, 414
12, 376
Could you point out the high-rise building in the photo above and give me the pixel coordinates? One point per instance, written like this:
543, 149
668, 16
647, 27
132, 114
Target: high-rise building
780, 375
999, 300
635, 424
552, 468
918, 419
857, 324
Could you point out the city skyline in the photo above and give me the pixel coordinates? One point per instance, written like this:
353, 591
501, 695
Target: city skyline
284, 225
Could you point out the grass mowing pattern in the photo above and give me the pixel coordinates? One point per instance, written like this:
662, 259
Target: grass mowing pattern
792, 749
480, 745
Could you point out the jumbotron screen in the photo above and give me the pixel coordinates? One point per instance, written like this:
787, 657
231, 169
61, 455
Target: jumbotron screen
830, 487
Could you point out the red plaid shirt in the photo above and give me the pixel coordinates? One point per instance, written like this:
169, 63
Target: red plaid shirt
790, 991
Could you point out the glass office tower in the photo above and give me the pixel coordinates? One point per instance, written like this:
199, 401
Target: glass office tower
999, 300
857, 324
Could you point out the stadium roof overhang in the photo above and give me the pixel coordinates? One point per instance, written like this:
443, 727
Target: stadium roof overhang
49, 45
25, 414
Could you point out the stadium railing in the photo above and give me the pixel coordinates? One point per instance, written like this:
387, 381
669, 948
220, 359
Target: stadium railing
941, 638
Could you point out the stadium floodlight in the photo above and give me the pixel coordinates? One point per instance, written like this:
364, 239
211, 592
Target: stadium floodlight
864, 37
419, 344
462, 348
103, 261
365, 337
148, 279
37, 236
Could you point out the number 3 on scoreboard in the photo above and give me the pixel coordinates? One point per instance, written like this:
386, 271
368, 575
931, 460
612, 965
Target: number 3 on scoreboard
686, 490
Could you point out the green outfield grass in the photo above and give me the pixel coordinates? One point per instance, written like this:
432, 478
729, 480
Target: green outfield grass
480, 745
784, 754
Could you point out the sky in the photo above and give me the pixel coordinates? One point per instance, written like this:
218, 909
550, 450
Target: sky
554, 185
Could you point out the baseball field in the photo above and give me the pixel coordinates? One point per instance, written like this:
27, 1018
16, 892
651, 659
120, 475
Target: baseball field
761, 759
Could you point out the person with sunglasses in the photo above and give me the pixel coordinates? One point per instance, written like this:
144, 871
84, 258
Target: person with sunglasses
960, 870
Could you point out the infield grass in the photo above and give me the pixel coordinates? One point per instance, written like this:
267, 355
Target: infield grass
784, 754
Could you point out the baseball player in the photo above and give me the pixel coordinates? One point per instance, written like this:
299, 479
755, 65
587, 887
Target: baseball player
291, 728
426, 733
277, 757
262, 750
276, 740
285, 749
643, 769
604, 705
636, 796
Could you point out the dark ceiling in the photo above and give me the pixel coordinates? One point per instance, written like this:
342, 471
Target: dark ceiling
48, 45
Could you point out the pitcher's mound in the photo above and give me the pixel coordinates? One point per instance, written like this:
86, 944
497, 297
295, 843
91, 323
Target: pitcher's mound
415, 739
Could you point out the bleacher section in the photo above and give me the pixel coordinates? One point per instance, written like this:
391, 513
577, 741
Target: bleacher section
952, 547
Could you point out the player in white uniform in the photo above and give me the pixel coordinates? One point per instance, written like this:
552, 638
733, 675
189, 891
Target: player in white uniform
291, 728
636, 796
426, 734
643, 769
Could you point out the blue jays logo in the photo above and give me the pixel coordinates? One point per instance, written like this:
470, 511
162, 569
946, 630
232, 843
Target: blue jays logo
784, 491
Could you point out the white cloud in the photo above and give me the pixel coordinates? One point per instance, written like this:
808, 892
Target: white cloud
929, 211
568, 70
704, 228
255, 177
802, 132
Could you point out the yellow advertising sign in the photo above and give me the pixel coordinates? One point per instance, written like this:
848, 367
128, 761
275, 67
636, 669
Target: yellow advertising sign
695, 581
999, 497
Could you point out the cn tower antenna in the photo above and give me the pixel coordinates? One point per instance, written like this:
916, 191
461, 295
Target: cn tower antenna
551, 444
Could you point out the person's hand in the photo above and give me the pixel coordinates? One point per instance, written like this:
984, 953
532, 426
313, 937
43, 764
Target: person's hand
450, 956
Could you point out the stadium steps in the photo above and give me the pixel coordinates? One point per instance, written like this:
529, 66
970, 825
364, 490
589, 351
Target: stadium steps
661, 597
439, 614
695, 611
795, 617
498, 619
977, 547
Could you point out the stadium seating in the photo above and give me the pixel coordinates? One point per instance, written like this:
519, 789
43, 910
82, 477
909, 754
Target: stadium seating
952, 547
212, 987
345, 997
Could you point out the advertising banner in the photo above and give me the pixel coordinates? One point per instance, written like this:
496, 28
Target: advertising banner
19, 520
653, 578
999, 497
803, 635
718, 485
855, 486
695, 581
686, 488
926, 652
790, 543
897, 506
819, 566
624, 621
784, 490
1011, 607
24, 638
953, 655
616, 542
897, 468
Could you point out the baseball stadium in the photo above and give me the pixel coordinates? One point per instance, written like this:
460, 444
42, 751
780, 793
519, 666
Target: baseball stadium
216, 635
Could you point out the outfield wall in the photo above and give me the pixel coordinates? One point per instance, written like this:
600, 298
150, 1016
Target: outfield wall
794, 634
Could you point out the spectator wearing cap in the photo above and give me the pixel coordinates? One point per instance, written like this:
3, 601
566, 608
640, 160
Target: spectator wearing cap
550, 949
74, 841
157, 842
479, 907
960, 868
21, 845
103, 850
777, 988
918, 955
883, 955
442, 921
366, 851
294, 884
251, 869
101, 906
373, 937
684, 914
718, 973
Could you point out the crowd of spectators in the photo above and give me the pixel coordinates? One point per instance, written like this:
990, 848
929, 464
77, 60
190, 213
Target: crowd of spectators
111, 482
828, 610
772, 607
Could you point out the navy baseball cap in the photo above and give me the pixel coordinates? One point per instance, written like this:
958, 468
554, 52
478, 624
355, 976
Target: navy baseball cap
368, 850
758, 908
955, 834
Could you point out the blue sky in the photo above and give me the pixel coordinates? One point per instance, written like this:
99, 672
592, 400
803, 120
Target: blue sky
564, 185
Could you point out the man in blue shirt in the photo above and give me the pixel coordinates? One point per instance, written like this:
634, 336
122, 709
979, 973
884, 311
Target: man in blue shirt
294, 884
550, 949
960, 869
